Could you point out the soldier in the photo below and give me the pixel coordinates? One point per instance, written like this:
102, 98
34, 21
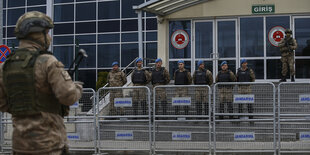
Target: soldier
182, 77
287, 47
245, 74
202, 76
140, 77
36, 90
160, 76
225, 75
116, 78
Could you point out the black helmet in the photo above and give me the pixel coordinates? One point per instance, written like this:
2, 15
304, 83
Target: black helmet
33, 21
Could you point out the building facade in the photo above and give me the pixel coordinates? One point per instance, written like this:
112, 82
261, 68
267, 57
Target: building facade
106, 29
218, 30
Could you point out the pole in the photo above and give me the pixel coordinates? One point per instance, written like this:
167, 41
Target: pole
140, 39
1, 22
76, 75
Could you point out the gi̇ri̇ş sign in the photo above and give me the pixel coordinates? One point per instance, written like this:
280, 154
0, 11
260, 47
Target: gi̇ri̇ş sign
263, 9
179, 39
275, 35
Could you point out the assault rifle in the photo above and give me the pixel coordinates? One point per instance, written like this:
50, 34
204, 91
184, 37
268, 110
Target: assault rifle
78, 58
288, 44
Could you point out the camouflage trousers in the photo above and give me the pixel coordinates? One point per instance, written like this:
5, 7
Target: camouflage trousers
161, 100
113, 110
288, 60
139, 99
226, 98
201, 100
181, 92
58, 152
245, 89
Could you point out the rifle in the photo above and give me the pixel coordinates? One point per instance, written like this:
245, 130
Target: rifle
78, 58
288, 44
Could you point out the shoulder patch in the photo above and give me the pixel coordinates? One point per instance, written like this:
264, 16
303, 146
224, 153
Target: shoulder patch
66, 75
59, 64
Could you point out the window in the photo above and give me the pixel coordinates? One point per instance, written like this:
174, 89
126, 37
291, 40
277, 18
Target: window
14, 14
203, 39
129, 37
86, 11
57, 40
63, 13
127, 11
302, 68
130, 25
109, 10
107, 38
302, 35
151, 50
180, 53
63, 29
274, 69
258, 68
88, 27
151, 24
64, 54
129, 52
10, 32
109, 26
82, 39
251, 37
41, 9
88, 77
283, 21
151, 36
36, 2
107, 54
63, 1
226, 39
16, 3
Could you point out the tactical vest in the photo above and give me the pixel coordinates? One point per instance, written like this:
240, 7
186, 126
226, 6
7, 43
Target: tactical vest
244, 76
139, 77
201, 77
224, 76
19, 82
181, 78
158, 76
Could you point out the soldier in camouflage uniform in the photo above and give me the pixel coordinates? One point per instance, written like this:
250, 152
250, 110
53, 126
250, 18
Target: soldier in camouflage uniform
160, 76
140, 77
182, 77
202, 76
226, 97
245, 74
287, 47
36, 90
116, 78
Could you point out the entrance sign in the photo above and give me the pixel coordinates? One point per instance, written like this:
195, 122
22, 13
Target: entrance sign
179, 39
263, 9
4, 52
275, 35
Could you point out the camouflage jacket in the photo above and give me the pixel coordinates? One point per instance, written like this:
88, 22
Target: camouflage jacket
287, 45
38, 134
116, 78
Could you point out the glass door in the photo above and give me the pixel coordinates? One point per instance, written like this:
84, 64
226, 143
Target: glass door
216, 41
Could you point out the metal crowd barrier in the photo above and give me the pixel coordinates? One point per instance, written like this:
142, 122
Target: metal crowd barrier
244, 117
125, 123
6, 132
81, 123
182, 121
294, 114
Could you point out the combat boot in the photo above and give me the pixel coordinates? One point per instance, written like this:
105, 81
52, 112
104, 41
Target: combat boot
292, 78
283, 79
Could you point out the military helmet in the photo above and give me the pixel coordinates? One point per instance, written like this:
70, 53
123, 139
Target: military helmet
288, 31
33, 21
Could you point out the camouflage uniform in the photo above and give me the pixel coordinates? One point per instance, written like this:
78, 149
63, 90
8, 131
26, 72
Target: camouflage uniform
116, 78
202, 93
182, 92
140, 95
161, 92
43, 132
287, 55
225, 92
245, 75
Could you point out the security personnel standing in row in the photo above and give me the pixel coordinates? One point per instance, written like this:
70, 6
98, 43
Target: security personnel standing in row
287, 47
140, 77
225, 75
245, 74
36, 90
202, 76
116, 78
160, 76
182, 77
